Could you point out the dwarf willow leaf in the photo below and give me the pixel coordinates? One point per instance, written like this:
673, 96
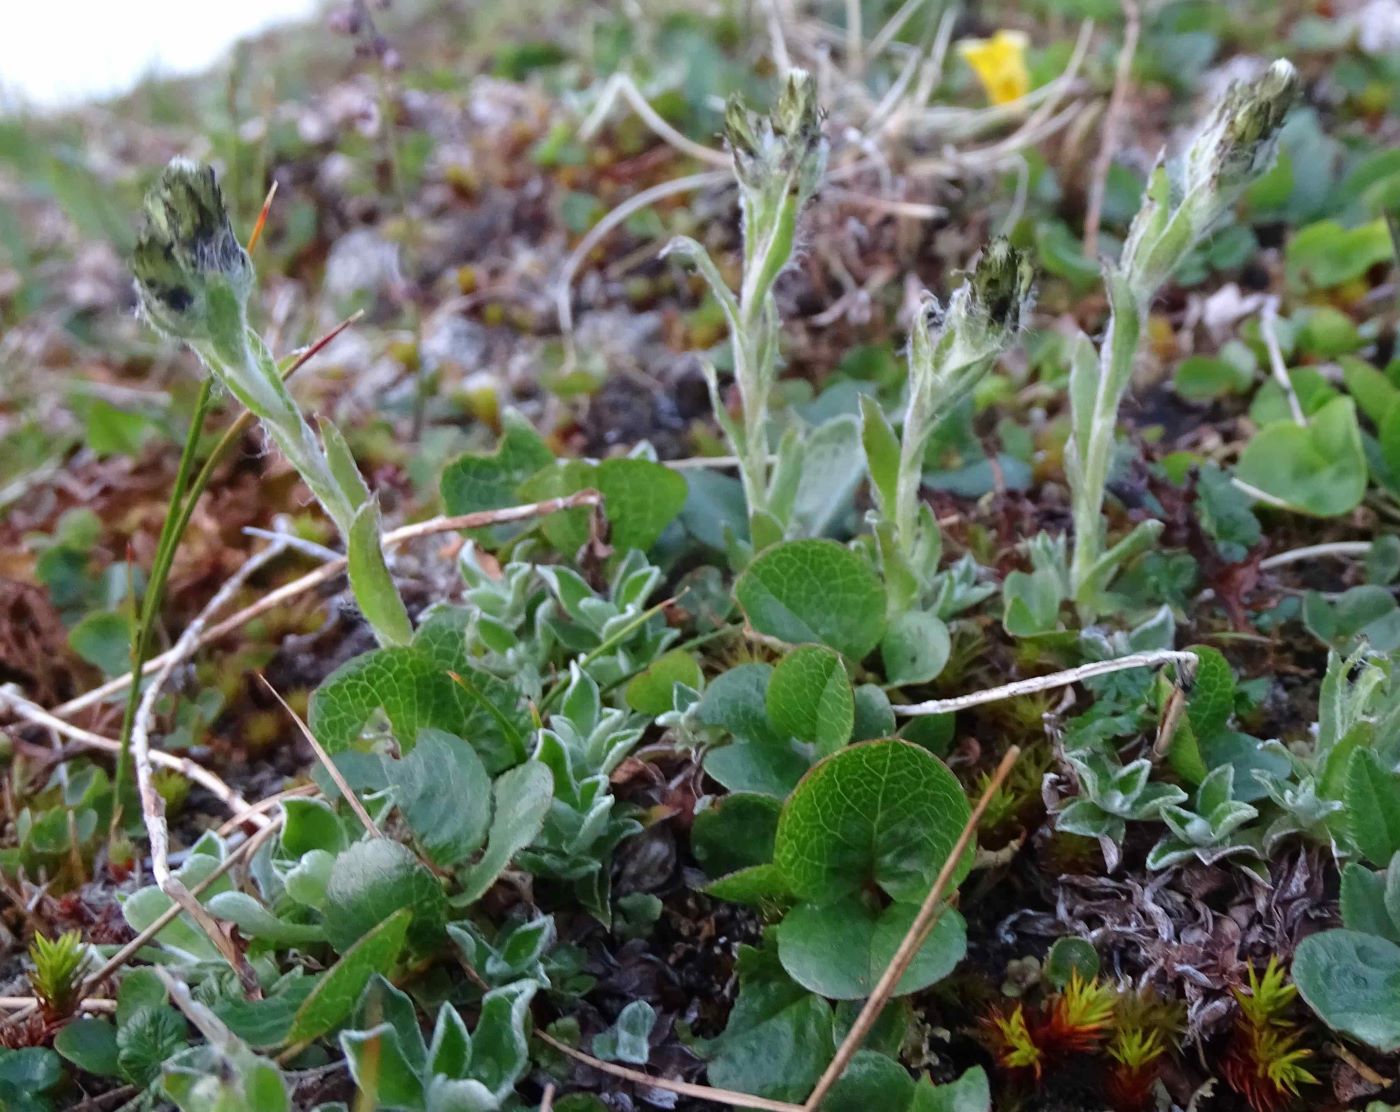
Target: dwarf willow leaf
653, 691
735, 831
414, 686
815, 591
489, 482
757, 886
883, 812
375, 878
915, 648
779, 1036
1365, 614
90, 1044
969, 1093
872, 1080
840, 949
874, 715
760, 758
1325, 254
444, 793
1319, 469
335, 994
1068, 957
809, 696
640, 498
522, 798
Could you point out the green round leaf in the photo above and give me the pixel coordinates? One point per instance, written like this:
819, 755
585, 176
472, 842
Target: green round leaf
810, 697
759, 758
1211, 699
1352, 981
884, 812
103, 638
1201, 378
640, 498
915, 647
734, 832
840, 949
1068, 956
815, 591
1319, 469
90, 1044
872, 1080
371, 881
652, 692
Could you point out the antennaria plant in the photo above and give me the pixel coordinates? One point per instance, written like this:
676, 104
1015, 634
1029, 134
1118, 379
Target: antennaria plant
950, 350
194, 279
1182, 204
779, 161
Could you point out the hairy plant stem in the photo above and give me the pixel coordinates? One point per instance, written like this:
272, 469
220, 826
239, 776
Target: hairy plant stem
918, 427
251, 373
1120, 344
768, 240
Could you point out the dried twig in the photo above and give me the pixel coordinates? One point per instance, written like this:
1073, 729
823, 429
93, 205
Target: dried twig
782, 60
1312, 551
95, 979
272, 802
1048, 683
1268, 321
892, 27
621, 85
330, 766
21, 707
153, 803
914, 938
684, 1088
152, 806
1113, 118
563, 307
323, 574
92, 1004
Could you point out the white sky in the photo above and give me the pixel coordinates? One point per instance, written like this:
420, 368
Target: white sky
55, 52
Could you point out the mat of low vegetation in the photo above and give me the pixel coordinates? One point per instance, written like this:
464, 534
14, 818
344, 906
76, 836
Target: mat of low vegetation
610, 637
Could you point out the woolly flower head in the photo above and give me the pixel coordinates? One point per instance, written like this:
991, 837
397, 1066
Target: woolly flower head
1239, 139
983, 315
192, 274
785, 149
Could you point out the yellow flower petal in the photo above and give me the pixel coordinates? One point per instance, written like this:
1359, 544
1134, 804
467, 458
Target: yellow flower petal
1000, 64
